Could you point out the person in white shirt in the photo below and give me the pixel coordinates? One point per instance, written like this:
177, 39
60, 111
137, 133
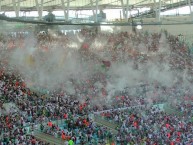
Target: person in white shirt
66, 142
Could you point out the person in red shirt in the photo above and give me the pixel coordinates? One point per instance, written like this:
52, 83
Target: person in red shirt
65, 115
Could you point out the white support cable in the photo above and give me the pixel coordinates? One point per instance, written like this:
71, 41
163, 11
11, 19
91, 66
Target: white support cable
127, 9
37, 4
17, 8
159, 10
189, 3
16, 5
96, 15
64, 8
191, 14
39, 7
93, 12
123, 9
155, 8
0, 5
68, 7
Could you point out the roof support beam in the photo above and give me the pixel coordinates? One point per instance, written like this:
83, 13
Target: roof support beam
191, 14
172, 3
66, 8
123, 9
40, 7
159, 10
0, 5
93, 12
155, 8
48, 2
16, 5
127, 9
97, 7
94, 5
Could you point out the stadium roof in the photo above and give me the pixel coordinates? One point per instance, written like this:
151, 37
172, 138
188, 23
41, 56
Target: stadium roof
29, 5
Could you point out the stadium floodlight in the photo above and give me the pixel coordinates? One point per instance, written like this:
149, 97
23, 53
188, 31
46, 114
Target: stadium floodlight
139, 27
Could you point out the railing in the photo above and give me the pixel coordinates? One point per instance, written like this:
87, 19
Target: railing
120, 109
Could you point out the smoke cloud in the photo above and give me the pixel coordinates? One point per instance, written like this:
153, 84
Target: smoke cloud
65, 65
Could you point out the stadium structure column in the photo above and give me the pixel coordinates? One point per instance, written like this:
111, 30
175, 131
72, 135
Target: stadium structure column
40, 8
191, 14
157, 10
0, 5
123, 9
127, 9
66, 9
97, 7
16, 5
93, 12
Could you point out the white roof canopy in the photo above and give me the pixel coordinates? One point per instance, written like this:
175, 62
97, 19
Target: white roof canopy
78, 4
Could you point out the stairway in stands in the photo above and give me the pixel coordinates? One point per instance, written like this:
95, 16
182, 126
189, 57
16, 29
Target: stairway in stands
57, 141
109, 125
49, 139
8, 107
168, 109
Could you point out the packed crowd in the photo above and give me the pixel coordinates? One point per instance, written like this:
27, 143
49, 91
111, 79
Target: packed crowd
152, 126
136, 126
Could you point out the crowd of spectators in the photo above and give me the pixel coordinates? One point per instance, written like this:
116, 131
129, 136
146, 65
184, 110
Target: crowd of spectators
148, 125
152, 126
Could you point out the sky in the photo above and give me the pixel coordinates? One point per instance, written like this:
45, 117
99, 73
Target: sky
111, 14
